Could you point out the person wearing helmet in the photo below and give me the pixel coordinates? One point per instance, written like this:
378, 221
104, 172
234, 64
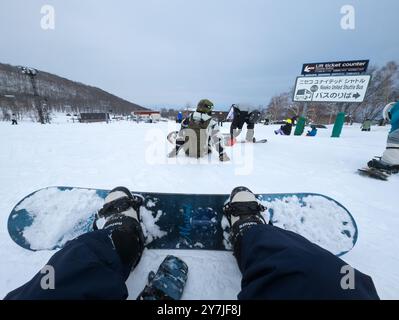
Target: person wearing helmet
243, 113
200, 133
286, 129
390, 158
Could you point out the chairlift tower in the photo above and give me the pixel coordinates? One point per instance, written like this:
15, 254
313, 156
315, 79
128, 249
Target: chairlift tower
32, 73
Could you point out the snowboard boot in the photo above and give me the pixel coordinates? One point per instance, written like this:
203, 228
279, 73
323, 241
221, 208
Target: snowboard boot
380, 165
249, 137
223, 157
122, 220
243, 211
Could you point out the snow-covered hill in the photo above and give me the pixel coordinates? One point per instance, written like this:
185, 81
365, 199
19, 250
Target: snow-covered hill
34, 156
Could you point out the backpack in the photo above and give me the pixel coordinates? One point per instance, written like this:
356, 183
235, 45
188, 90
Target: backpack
196, 136
254, 116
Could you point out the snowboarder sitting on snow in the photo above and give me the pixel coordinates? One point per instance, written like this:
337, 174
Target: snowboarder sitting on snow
243, 113
313, 132
366, 126
199, 133
390, 158
14, 119
286, 129
275, 263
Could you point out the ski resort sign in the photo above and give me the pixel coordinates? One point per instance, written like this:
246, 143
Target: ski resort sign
349, 88
357, 66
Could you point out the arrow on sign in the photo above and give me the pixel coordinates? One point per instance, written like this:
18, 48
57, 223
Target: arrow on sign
356, 95
309, 69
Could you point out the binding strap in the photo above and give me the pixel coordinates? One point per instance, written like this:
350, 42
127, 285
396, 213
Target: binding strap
237, 209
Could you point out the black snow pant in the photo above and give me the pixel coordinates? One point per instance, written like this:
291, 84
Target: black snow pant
86, 268
279, 264
276, 264
14, 122
240, 118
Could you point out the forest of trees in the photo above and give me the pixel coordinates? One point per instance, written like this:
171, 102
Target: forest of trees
384, 88
55, 94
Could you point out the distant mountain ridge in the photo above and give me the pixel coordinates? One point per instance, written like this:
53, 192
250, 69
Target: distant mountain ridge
16, 93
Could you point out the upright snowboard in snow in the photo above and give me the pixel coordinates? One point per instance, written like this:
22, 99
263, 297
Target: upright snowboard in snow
172, 136
48, 218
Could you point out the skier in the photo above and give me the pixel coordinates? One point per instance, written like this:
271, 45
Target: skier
313, 132
390, 158
243, 113
275, 263
14, 119
199, 133
286, 129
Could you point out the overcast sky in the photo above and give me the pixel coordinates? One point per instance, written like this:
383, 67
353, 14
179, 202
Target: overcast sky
170, 52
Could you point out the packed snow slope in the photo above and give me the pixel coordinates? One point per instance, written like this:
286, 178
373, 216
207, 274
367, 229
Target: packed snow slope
34, 156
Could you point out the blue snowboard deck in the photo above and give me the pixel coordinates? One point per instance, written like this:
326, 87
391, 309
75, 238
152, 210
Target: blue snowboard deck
47, 218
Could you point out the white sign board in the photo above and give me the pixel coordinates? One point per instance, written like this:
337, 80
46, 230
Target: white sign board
351, 88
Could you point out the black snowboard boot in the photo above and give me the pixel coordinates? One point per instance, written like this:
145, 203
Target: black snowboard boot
242, 211
122, 220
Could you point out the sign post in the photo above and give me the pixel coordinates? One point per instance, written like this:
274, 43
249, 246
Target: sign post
345, 88
340, 81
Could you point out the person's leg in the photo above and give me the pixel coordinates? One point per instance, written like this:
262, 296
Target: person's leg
250, 132
97, 264
279, 132
237, 124
179, 144
86, 268
391, 154
279, 264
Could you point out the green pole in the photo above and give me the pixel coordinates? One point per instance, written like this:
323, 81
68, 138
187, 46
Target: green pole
339, 123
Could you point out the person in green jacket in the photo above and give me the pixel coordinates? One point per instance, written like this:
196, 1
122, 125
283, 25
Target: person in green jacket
366, 126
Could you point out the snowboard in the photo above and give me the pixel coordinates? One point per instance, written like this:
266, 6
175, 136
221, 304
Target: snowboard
48, 218
256, 141
171, 137
228, 143
379, 173
374, 173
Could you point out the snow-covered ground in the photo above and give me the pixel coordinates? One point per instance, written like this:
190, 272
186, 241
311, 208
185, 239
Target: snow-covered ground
34, 156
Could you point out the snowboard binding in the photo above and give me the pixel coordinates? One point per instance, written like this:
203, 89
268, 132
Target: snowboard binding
242, 210
121, 212
379, 165
379, 170
120, 201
